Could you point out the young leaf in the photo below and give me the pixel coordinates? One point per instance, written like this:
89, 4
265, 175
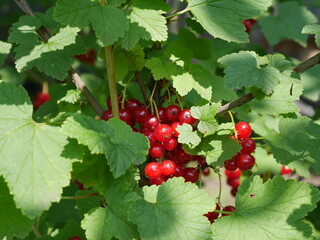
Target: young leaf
12, 222
113, 138
287, 24
223, 19
164, 209
206, 114
313, 29
25, 151
245, 69
272, 211
188, 136
4, 51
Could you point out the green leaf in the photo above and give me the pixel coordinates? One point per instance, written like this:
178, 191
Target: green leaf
287, 24
158, 5
206, 114
109, 23
84, 205
113, 138
296, 139
71, 228
72, 96
223, 19
160, 69
25, 151
12, 222
4, 51
196, 78
164, 209
188, 136
311, 85
268, 211
265, 162
313, 29
245, 69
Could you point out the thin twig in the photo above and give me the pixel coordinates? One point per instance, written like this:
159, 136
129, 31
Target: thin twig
300, 68
80, 197
142, 87
236, 103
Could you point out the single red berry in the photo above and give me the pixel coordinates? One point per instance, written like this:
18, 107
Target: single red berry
41, 98
161, 114
171, 144
213, 215
245, 161
107, 115
233, 182
179, 171
174, 126
233, 174
132, 104
233, 137
206, 171
185, 117
182, 157
158, 181
151, 122
228, 208
163, 133
201, 161
230, 164
168, 167
191, 175
149, 134
234, 191
141, 114
126, 116
75, 238
248, 145
157, 150
243, 129
144, 129
286, 170
172, 113
248, 24
152, 170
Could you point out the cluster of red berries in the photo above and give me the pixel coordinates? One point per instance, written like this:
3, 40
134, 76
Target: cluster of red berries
89, 57
212, 216
41, 98
233, 180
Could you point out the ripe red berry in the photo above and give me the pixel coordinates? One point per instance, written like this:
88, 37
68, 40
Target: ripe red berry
126, 116
152, 170
168, 167
132, 104
161, 114
248, 24
228, 208
233, 182
202, 161
171, 144
141, 114
75, 238
151, 122
233, 174
172, 113
158, 181
243, 129
41, 98
286, 170
206, 171
230, 164
179, 171
157, 150
149, 134
185, 117
174, 126
107, 115
191, 175
248, 145
245, 161
234, 191
213, 215
163, 132
182, 157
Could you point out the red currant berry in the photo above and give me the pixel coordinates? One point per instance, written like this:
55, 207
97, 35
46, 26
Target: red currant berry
158, 181
126, 116
228, 208
233, 174
161, 114
107, 115
201, 161
230, 164
245, 161
141, 114
179, 171
151, 122
191, 175
182, 157
213, 215
172, 113
233, 137
233, 182
157, 150
174, 126
243, 129
41, 98
248, 145
168, 167
206, 171
248, 24
132, 104
286, 170
170, 145
185, 117
149, 134
152, 170
75, 238
234, 191
163, 133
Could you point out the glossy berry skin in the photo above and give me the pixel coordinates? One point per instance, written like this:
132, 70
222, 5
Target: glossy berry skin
213, 215
161, 114
179, 171
151, 122
163, 133
233, 182
152, 170
185, 117
75, 238
174, 126
41, 98
182, 157
230, 164
286, 170
132, 104
158, 181
233, 174
228, 208
170, 145
141, 114
245, 161
157, 150
201, 161
248, 24
191, 175
126, 116
172, 113
149, 134
107, 115
248, 145
168, 167
206, 171
234, 191
243, 130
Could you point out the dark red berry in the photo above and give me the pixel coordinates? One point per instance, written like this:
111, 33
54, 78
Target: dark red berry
163, 133
172, 113
248, 24
213, 215
174, 126
202, 161
126, 116
206, 171
149, 134
191, 175
152, 170
243, 129
230, 164
234, 191
179, 171
151, 122
233, 182
248, 145
158, 181
141, 114
132, 104
75, 238
286, 170
182, 157
233, 174
41, 98
185, 117
161, 114
245, 161
168, 167
171, 144
107, 115
228, 208
157, 150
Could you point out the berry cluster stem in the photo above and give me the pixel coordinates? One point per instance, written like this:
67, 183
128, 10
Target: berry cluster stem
220, 187
80, 197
